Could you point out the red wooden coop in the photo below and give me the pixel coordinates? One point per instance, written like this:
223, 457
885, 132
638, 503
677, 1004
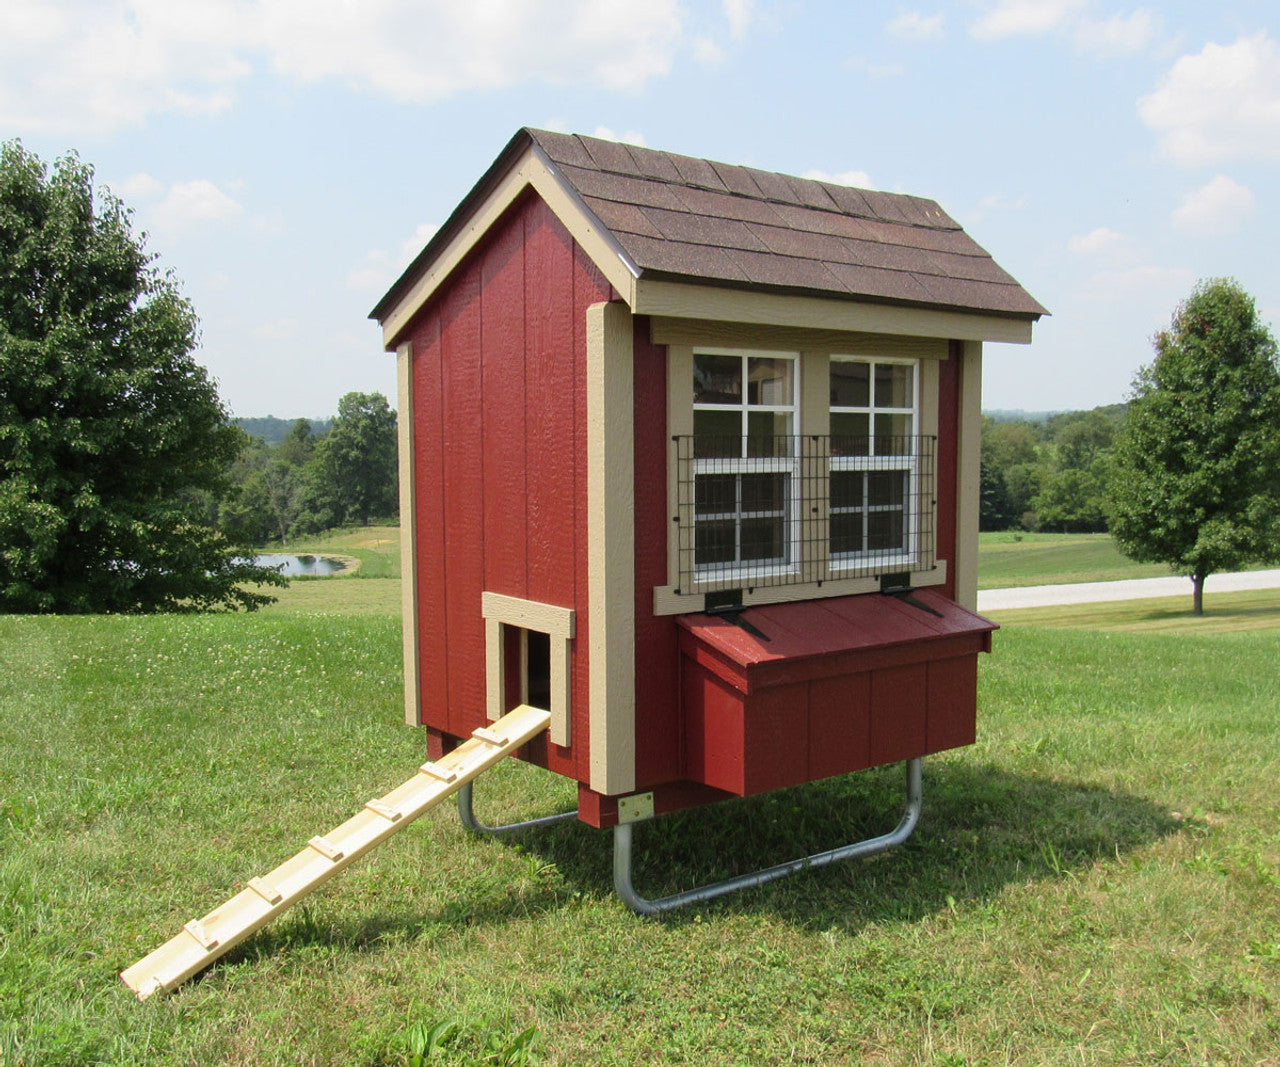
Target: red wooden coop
689, 458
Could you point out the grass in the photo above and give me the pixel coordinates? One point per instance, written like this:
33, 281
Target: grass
1008, 560
1097, 881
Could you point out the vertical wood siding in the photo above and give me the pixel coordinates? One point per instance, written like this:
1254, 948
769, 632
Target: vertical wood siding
500, 458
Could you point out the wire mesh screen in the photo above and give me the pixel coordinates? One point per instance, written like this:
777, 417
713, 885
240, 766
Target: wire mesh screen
763, 510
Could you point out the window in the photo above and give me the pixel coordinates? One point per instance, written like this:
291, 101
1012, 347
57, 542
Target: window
874, 466
744, 461
811, 467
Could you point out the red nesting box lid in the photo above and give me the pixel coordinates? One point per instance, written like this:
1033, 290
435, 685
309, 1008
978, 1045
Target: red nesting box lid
783, 643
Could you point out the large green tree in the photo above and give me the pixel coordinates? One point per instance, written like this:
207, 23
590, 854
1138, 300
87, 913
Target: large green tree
112, 437
358, 457
1196, 476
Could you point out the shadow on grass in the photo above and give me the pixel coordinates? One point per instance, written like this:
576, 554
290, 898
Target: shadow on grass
982, 828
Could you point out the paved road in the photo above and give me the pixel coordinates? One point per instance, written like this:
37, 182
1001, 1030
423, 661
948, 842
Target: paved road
1040, 596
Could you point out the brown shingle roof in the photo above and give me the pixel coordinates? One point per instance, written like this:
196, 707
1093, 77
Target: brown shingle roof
684, 219
701, 221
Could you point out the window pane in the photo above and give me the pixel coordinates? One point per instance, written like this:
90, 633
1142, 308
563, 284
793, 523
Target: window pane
764, 492
886, 489
769, 433
769, 380
713, 542
717, 379
846, 489
715, 494
846, 532
893, 435
884, 531
763, 539
850, 435
717, 433
850, 384
893, 385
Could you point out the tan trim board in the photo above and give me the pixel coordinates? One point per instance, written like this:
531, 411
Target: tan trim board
611, 547
408, 535
697, 333
666, 601
529, 171
559, 624
968, 475
681, 300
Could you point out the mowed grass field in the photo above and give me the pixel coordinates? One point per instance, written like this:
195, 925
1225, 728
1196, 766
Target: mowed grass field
1097, 881
1007, 560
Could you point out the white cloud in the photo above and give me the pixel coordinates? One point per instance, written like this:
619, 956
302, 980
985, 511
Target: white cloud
1102, 242
739, 13
914, 26
380, 268
138, 187
95, 66
707, 52
278, 330
630, 137
859, 179
1221, 103
1015, 18
187, 205
1220, 207
1120, 35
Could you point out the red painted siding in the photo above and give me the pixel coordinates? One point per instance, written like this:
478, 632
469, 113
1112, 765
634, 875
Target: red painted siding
500, 459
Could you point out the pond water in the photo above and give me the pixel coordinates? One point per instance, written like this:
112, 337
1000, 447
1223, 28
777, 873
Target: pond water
296, 566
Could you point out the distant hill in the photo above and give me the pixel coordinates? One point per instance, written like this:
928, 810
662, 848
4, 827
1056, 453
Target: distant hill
273, 430
1018, 415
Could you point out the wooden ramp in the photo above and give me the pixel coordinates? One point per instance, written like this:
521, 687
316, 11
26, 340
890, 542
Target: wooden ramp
202, 941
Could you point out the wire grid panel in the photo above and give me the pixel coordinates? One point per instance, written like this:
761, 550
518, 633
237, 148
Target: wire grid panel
759, 511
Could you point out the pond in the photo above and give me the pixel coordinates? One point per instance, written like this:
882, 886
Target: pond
297, 566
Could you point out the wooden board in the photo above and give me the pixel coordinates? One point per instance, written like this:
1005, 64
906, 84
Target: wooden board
202, 941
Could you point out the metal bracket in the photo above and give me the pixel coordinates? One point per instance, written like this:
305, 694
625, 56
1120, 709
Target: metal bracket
467, 815
635, 808
622, 840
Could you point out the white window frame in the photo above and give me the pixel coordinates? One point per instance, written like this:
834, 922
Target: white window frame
843, 562
721, 573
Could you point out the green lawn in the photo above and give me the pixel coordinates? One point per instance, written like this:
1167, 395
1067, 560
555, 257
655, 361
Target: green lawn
1097, 881
1008, 560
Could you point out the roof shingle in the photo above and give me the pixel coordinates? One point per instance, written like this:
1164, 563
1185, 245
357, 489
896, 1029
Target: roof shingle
680, 216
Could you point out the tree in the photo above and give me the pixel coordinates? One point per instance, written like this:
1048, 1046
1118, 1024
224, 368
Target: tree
358, 456
1196, 476
112, 438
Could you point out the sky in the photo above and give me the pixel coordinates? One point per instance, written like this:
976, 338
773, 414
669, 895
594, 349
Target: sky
287, 158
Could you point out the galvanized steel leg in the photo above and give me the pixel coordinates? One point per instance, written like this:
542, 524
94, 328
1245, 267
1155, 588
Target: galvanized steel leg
467, 814
622, 857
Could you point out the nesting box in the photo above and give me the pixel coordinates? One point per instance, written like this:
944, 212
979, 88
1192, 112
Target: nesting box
689, 457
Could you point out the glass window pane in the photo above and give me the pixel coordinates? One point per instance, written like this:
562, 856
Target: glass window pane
886, 489
846, 489
850, 435
717, 433
715, 494
850, 384
769, 433
764, 492
893, 433
769, 380
884, 531
713, 542
893, 385
762, 539
717, 379
846, 532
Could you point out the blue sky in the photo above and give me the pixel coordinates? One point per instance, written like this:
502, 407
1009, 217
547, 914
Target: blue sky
287, 157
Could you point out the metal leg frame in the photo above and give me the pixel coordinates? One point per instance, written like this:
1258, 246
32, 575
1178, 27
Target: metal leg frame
622, 857
467, 814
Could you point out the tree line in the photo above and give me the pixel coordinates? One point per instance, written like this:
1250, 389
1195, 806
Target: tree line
1049, 473
312, 480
